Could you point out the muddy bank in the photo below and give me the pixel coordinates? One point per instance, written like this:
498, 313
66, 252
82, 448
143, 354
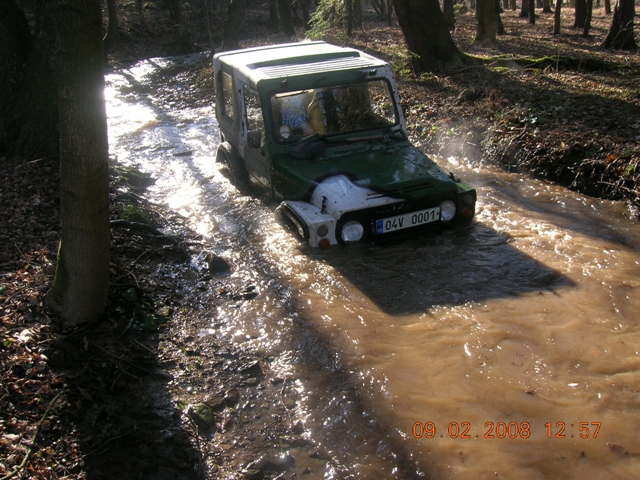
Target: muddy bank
578, 127
143, 393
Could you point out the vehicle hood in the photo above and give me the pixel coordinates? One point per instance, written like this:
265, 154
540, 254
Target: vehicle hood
398, 170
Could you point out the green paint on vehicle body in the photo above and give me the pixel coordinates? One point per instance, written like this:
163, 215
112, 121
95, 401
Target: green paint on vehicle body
395, 169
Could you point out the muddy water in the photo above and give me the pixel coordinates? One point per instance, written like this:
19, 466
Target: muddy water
500, 346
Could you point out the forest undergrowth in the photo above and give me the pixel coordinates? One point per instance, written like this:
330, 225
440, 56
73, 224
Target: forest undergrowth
578, 127
113, 401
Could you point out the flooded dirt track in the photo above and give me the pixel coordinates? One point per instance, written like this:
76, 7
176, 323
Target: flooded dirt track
510, 348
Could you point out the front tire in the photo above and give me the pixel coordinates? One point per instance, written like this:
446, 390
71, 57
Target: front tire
228, 156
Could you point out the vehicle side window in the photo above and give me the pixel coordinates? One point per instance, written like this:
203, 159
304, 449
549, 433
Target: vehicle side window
255, 120
381, 103
227, 94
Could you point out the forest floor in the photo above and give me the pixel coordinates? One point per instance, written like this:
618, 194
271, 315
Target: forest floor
142, 395
578, 127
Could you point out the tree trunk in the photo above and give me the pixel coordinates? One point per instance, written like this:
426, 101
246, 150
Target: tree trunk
621, 34
31, 127
349, 8
514, 5
557, 18
182, 39
15, 48
580, 13
587, 20
532, 12
426, 34
499, 25
305, 15
235, 19
208, 11
380, 7
357, 13
546, 6
524, 12
449, 18
487, 28
286, 18
175, 11
285, 12
112, 30
274, 19
607, 7
80, 289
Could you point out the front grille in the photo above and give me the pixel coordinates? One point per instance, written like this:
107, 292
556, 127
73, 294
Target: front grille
368, 217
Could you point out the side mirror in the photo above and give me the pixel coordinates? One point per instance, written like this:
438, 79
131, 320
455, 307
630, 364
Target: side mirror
254, 138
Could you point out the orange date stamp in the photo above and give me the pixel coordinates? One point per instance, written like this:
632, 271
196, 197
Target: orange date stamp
512, 430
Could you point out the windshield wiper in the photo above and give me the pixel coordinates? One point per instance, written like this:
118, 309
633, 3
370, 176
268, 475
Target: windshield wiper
397, 135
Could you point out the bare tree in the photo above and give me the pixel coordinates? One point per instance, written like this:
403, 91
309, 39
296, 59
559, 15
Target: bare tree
235, 19
498, 10
81, 284
587, 20
487, 26
447, 10
580, 13
175, 11
383, 9
15, 48
557, 17
112, 29
182, 39
621, 34
286, 17
532, 12
426, 34
274, 18
31, 126
357, 13
306, 17
524, 11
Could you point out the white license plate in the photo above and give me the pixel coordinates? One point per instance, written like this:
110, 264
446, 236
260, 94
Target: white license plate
407, 220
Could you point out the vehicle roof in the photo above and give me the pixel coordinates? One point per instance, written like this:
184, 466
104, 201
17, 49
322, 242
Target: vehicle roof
293, 59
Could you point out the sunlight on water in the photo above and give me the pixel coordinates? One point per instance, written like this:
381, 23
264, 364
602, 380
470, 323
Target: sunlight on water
500, 346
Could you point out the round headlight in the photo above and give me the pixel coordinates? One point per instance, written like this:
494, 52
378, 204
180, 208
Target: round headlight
322, 231
352, 231
447, 210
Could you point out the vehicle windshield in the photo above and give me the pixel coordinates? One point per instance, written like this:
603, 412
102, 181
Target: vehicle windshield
333, 110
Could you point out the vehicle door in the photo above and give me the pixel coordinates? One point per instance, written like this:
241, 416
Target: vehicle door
258, 165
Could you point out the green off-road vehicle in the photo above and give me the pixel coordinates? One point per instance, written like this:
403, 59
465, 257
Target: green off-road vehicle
319, 128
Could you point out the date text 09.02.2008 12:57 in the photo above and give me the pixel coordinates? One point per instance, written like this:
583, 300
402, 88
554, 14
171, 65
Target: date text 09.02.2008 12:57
507, 430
